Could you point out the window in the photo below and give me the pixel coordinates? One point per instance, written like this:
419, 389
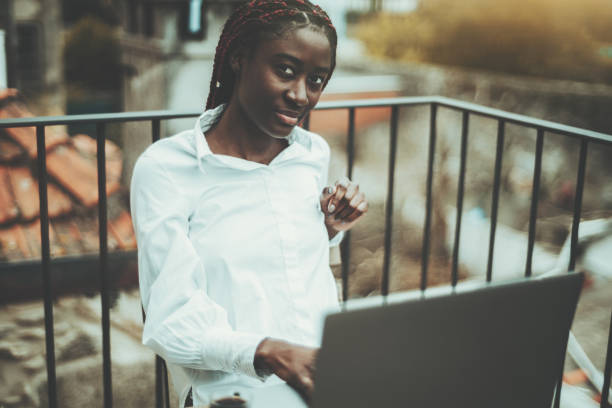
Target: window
193, 20
29, 58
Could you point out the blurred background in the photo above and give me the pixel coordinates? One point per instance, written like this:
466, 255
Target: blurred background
547, 59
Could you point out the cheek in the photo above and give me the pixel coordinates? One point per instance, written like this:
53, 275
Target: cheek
313, 98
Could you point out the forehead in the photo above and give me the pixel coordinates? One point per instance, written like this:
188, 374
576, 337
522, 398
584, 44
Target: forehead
309, 44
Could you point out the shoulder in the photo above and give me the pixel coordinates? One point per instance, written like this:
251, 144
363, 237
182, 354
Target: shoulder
169, 149
167, 158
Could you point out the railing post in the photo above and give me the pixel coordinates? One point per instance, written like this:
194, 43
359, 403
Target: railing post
535, 194
46, 256
460, 188
155, 130
389, 207
578, 203
428, 195
104, 275
495, 199
345, 247
306, 123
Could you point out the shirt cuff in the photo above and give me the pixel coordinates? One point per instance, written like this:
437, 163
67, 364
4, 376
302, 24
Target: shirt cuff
245, 363
335, 241
235, 351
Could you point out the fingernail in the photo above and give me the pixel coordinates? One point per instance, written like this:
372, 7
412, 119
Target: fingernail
331, 207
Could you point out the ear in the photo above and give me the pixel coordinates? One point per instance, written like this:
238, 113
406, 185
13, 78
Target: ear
236, 61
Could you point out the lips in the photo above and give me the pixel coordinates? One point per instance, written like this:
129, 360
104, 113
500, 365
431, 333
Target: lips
286, 117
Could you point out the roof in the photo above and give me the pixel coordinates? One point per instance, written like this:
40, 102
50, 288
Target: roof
72, 191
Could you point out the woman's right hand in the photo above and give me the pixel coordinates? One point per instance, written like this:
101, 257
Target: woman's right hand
292, 363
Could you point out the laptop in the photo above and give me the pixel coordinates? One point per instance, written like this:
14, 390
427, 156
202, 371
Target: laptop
502, 345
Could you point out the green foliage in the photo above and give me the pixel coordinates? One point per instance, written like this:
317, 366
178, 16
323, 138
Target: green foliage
92, 56
74, 10
549, 38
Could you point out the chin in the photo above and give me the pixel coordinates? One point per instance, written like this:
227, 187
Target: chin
277, 132
280, 135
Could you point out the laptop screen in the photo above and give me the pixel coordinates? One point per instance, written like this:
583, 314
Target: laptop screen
502, 345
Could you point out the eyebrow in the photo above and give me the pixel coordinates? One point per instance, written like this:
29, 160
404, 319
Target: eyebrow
298, 61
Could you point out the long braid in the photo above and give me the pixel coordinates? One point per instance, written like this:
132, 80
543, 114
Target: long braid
253, 18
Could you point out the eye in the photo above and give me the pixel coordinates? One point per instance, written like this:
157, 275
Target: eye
317, 80
285, 71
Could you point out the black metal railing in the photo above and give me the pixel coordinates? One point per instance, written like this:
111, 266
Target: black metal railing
467, 110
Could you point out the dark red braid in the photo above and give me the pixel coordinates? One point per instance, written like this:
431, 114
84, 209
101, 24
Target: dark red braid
245, 26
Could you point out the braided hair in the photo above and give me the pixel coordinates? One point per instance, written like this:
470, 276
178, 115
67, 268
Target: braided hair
249, 23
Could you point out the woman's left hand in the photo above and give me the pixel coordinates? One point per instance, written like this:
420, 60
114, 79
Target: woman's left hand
343, 205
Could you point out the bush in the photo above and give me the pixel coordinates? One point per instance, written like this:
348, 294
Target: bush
92, 56
74, 10
550, 38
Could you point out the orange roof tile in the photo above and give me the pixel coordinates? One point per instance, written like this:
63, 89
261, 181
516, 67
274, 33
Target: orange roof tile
78, 175
72, 168
14, 243
9, 150
8, 207
26, 136
123, 231
68, 236
8, 93
58, 203
32, 233
25, 189
87, 147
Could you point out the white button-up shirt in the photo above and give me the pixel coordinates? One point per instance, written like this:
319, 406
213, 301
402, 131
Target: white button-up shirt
229, 252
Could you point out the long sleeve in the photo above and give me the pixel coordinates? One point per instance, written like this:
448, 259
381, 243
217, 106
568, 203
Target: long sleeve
183, 324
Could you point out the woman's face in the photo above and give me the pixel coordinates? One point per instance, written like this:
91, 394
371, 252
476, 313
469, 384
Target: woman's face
282, 80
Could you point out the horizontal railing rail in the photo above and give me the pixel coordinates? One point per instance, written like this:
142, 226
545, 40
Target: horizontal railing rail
542, 127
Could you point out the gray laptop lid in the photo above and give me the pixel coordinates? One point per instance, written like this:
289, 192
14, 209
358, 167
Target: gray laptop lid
499, 346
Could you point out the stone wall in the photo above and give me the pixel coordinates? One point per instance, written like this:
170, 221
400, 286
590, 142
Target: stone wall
78, 353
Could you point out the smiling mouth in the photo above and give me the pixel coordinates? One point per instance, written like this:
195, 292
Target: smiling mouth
288, 118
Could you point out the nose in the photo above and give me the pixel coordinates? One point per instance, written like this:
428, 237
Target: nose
297, 92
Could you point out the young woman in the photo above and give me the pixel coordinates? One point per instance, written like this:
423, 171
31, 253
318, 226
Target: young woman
234, 217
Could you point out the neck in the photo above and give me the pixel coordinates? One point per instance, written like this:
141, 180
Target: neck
236, 135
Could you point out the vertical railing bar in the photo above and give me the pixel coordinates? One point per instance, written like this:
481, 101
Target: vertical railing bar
155, 130
345, 247
161, 374
578, 203
159, 385
350, 148
428, 204
535, 195
605, 391
46, 273
460, 191
306, 123
166, 388
495, 199
389, 206
104, 277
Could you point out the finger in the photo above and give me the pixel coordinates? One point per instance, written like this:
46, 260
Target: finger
325, 197
307, 387
351, 207
303, 385
351, 191
361, 209
336, 201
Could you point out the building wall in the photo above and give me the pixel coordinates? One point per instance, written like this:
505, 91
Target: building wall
36, 55
165, 70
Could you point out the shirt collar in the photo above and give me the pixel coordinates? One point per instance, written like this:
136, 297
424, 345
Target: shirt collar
210, 117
